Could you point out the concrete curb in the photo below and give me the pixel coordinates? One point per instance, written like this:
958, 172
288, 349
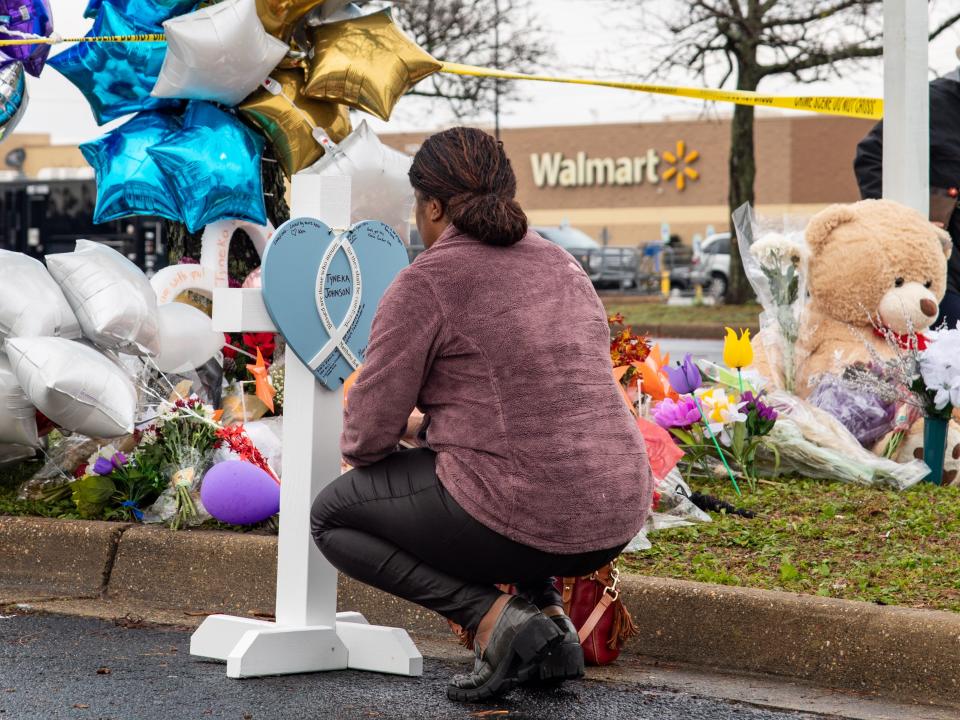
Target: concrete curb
47, 558
888, 651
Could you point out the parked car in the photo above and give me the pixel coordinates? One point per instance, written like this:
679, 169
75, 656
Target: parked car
710, 266
605, 266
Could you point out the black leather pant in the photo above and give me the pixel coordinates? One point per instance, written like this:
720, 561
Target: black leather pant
394, 526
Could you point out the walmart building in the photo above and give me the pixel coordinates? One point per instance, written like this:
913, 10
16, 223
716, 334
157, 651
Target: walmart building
619, 182
624, 181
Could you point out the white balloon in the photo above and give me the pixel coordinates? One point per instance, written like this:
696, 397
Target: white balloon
220, 53
111, 297
381, 189
18, 417
187, 338
74, 385
31, 302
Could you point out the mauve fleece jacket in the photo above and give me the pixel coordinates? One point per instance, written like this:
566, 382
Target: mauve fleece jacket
507, 351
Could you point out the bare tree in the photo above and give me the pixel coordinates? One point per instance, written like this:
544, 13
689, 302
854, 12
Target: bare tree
492, 33
752, 40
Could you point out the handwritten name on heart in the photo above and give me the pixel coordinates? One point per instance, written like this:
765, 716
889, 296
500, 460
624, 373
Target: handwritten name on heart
322, 289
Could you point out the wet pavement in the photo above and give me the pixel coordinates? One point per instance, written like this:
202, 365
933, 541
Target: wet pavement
55, 667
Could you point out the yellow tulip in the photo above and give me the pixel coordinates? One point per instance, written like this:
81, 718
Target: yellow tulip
737, 352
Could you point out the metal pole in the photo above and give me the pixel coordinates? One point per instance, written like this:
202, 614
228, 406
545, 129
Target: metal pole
496, 65
906, 117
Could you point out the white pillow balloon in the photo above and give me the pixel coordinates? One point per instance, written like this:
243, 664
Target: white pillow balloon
111, 297
31, 302
187, 338
18, 417
74, 385
380, 187
220, 53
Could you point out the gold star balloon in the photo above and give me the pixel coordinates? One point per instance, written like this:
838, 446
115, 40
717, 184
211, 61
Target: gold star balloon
280, 16
291, 120
367, 63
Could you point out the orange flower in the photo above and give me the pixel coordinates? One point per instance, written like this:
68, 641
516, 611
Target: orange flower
653, 379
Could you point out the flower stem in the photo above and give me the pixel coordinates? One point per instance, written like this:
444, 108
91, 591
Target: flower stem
713, 437
740, 378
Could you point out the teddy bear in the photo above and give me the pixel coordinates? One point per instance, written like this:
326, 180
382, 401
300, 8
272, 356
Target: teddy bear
876, 272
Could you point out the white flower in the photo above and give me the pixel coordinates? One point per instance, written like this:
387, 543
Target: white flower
720, 411
107, 452
940, 367
774, 251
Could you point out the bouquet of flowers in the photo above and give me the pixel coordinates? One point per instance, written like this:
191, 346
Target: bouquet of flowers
114, 486
180, 441
725, 421
628, 351
774, 261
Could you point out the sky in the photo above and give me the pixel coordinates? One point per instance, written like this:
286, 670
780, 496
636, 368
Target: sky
587, 38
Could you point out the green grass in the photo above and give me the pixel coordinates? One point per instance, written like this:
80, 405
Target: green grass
10, 479
643, 315
823, 538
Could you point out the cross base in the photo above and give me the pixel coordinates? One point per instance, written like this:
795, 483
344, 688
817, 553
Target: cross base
254, 648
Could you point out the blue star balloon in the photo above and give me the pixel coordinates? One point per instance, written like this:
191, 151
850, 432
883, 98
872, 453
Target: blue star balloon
128, 179
147, 12
116, 78
213, 165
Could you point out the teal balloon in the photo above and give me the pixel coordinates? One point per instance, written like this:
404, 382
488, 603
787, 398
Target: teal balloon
147, 12
129, 182
116, 78
213, 166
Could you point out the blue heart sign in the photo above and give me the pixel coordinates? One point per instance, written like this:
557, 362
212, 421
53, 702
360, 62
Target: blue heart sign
322, 289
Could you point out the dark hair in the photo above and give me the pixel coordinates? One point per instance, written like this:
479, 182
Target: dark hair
468, 172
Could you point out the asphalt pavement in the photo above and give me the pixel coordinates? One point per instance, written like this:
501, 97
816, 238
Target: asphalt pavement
55, 667
700, 349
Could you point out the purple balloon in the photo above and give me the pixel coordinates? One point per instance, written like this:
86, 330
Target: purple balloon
239, 493
26, 16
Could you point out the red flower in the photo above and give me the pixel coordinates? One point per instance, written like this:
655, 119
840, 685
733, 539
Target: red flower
264, 342
656, 500
80, 471
228, 352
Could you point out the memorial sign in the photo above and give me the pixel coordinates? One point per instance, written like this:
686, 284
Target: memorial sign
321, 289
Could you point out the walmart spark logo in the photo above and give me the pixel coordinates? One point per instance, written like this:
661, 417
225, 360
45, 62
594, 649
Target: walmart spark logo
680, 165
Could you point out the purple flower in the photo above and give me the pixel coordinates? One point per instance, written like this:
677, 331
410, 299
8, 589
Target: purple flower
686, 377
103, 466
760, 417
682, 413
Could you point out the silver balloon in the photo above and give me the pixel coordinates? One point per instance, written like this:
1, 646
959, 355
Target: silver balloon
187, 338
18, 417
31, 302
13, 97
220, 53
111, 297
75, 386
381, 189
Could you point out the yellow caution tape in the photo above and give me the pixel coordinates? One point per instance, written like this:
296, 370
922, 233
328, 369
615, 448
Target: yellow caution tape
56, 39
855, 107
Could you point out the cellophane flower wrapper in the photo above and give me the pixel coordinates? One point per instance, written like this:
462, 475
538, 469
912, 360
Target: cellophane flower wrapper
185, 475
813, 443
674, 510
774, 255
864, 414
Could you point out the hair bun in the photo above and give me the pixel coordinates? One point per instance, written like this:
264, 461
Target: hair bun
490, 218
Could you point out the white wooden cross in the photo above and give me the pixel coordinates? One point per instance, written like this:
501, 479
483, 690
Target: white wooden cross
309, 634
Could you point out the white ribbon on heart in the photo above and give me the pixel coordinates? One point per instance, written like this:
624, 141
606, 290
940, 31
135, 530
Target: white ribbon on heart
337, 334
